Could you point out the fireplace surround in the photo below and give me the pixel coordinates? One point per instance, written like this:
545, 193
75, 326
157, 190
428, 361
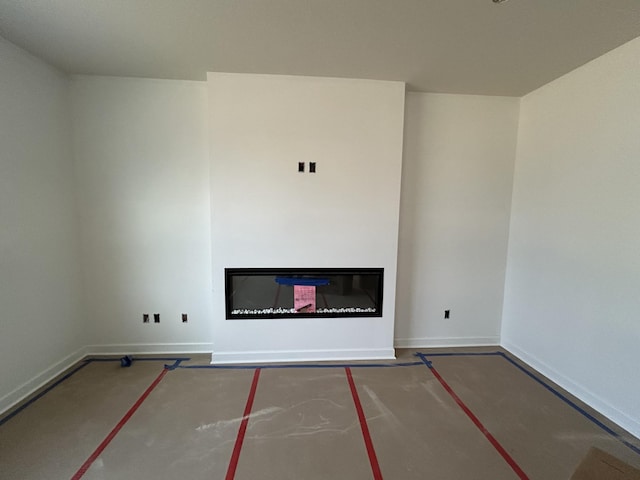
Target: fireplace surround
267, 214
254, 293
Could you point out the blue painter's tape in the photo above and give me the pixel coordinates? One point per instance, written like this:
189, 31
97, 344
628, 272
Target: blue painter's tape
424, 361
315, 282
175, 365
572, 404
460, 354
303, 365
126, 361
146, 359
42, 393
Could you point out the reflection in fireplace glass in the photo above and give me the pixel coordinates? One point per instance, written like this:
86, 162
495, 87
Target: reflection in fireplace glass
289, 293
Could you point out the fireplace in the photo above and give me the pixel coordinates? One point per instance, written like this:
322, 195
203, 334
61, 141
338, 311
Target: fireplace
255, 293
283, 226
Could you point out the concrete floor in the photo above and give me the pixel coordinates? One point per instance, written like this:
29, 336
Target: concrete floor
451, 416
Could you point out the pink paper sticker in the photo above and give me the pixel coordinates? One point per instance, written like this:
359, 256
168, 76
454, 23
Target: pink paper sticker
304, 298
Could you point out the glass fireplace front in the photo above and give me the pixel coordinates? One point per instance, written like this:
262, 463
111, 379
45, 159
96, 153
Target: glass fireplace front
253, 293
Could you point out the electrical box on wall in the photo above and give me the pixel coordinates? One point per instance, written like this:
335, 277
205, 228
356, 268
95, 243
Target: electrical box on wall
312, 167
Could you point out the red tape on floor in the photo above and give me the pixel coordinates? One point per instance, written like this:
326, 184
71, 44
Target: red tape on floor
505, 455
373, 459
86, 465
235, 456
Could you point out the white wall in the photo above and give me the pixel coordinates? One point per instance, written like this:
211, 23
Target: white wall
572, 296
457, 173
142, 180
40, 323
266, 214
143, 184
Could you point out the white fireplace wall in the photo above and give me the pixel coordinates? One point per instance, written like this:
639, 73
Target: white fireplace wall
264, 213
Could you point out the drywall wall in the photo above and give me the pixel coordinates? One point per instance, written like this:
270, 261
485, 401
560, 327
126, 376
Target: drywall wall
266, 214
143, 188
457, 173
40, 323
573, 280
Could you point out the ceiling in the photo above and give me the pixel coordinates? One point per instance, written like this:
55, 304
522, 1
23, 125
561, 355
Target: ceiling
449, 46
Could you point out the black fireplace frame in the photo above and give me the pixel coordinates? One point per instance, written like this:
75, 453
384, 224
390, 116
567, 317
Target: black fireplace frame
303, 273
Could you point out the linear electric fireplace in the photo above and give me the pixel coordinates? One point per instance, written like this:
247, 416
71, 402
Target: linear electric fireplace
253, 293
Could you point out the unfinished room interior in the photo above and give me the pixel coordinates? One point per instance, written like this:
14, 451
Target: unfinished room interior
320, 239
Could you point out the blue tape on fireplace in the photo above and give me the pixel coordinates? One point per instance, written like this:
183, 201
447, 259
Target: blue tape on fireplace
312, 282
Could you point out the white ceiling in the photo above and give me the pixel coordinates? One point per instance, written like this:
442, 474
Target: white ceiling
456, 46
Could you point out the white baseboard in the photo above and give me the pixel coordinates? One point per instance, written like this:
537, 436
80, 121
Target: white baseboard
595, 402
301, 356
428, 342
149, 348
41, 379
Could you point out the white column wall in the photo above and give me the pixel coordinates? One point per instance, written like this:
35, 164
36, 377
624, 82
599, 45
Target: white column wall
266, 214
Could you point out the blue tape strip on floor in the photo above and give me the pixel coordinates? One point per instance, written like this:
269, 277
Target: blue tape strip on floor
142, 359
303, 365
461, 354
424, 361
175, 365
571, 404
42, 393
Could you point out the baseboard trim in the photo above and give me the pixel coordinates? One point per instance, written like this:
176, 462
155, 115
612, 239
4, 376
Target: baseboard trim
595, 402
149, 348
218, 358
429, 342
31, 386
